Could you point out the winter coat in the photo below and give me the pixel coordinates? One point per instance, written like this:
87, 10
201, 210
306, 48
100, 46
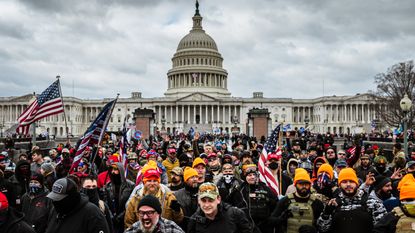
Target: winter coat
165, 197
229, 219
117, 201
187, 198
169, 165
85, 218
353, 214
15, 223
37, 210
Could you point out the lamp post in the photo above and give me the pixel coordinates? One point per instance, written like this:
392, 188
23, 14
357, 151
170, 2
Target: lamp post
406, 105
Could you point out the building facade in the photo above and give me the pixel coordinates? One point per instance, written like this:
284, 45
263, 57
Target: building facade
197, 96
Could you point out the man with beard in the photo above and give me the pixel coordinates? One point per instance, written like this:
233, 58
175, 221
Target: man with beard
300, 209
73, 212
35, 205
364, 168
255, 198
150, 220
215, 216
380, 167
214, 168
90, 189
116, 194
20, 181
176, 179
151, 179
381, 189
402, 217
187, 196
353, 210
228, 182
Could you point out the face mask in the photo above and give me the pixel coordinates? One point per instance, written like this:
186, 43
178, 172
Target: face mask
92, 194
228, 178
381, 169
273, 165
323, 180
410, 207
292, 170
35, 188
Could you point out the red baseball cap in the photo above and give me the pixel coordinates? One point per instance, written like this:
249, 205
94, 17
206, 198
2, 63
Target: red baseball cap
4, 203
274, 156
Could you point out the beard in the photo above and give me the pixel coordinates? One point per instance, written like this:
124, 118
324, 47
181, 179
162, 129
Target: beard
384, 195
349, 194
175, 180
303, 192
144, 230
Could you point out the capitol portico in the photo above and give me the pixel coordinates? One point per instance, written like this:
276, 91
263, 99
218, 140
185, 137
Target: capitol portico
197, 96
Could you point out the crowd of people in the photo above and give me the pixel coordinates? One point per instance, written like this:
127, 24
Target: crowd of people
209, 183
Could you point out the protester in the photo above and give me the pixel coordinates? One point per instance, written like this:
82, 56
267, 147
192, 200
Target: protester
215, 216
12, 221
73, 212
150, 220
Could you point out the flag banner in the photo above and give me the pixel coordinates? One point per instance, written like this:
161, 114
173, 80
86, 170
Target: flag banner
94, 133
124, 144
265, 174
48, 103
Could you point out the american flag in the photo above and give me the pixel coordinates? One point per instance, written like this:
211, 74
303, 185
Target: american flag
94, 133
265, 174
46, 104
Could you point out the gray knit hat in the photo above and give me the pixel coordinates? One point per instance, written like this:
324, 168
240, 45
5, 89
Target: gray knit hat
47, 167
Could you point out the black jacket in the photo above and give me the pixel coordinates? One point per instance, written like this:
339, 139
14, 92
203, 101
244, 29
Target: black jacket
187, 199
15, 223
85, 218
37, 211
228, 220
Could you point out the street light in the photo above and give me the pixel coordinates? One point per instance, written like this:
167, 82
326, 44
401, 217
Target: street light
406, 105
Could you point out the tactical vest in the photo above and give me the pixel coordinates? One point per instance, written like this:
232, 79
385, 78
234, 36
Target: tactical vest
405, 224
302, 213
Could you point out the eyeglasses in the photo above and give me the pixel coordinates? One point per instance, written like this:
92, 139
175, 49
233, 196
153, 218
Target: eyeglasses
149, 213
341, 153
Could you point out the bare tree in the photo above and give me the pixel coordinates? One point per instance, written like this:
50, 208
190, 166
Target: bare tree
391, 88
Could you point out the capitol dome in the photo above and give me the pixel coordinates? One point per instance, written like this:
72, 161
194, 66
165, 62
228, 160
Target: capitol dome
197, 65
197, 39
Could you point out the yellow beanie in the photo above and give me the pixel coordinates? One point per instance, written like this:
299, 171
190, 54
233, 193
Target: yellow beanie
325, 167
348, 174
301, 175
189, 172
198, 161
407, 191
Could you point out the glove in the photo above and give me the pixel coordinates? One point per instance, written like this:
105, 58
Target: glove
174, 205
328, 210
287, 214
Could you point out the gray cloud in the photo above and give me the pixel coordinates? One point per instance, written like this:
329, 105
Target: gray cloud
283, 48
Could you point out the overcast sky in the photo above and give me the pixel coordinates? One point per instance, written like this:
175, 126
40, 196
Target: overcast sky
283, 48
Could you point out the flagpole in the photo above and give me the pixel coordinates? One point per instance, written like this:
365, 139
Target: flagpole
34, 129
63, 105
280, 162
103, 131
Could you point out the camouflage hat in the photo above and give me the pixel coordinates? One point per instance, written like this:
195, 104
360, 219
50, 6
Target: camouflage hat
208, 190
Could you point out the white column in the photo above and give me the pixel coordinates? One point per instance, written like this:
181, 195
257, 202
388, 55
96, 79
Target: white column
194, 114
177, 113
223, 114
217, 113
211, 112
200, 114
188, 114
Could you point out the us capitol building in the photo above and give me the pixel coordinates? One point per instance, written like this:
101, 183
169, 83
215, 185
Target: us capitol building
198, 97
